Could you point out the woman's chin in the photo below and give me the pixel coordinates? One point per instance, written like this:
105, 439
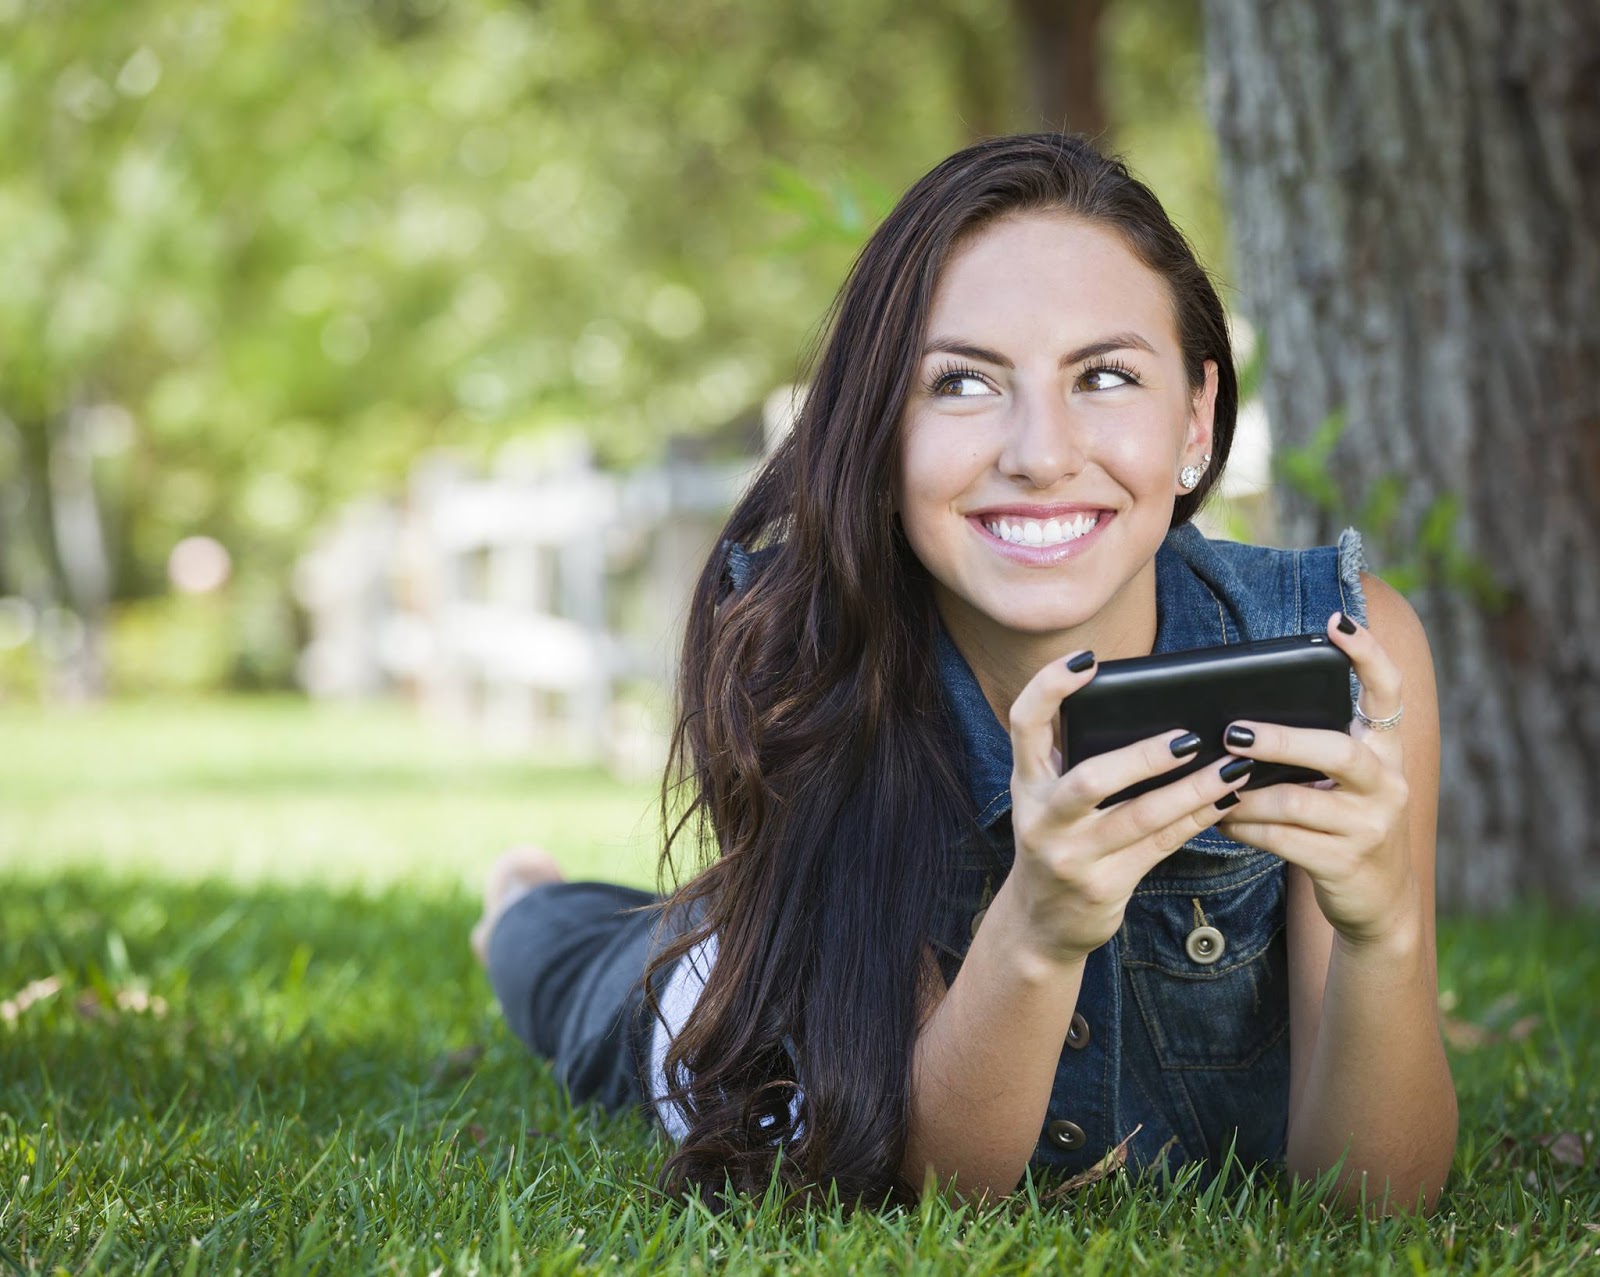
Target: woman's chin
1039, 622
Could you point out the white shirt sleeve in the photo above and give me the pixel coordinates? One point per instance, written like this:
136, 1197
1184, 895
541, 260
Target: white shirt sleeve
678, 998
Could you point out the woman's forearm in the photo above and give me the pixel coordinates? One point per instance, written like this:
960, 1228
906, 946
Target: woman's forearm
1378, 1092
986, 1059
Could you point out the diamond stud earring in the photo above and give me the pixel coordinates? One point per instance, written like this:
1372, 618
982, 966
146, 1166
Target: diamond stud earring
1190, 475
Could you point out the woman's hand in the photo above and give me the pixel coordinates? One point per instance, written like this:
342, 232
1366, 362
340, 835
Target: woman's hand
1076, 865
513, 875
1351, 833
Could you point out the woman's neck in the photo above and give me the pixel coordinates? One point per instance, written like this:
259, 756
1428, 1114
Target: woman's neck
1004, 660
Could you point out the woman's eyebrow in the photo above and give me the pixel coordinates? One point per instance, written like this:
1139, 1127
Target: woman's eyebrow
1104, 346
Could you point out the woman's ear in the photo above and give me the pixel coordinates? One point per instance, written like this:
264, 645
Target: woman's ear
1202, 412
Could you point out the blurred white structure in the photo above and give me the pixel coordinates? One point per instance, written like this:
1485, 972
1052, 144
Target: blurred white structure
497, 600
518, 602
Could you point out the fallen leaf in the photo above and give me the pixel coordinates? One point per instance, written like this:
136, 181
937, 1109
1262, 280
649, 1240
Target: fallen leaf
89, 1006
35, 991
1502, 1006
1464, 1035
138, 1001
1522, 1028
1504, 1147
455, 1065
1112, 1161
1566, 1147
1593, 1228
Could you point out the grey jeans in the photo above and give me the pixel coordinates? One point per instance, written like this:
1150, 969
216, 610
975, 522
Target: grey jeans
567, 964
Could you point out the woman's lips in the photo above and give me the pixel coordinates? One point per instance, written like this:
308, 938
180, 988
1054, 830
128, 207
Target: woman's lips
1042, 555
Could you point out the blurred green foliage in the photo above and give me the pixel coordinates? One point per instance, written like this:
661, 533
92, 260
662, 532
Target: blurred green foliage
170, 643
1433, 556
258, 255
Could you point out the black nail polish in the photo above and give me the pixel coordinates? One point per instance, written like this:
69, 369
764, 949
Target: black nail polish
1240, 736
1081, 662
1227, 801
1185, 745
1236, 768
1346, 624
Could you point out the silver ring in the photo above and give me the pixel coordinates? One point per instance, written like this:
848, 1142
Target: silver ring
1379, 724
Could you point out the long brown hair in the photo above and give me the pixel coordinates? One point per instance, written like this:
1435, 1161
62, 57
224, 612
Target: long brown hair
823, 772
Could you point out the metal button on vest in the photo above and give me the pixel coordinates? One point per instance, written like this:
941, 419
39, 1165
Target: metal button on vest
1067, 1135
1205, 945
1078, 1032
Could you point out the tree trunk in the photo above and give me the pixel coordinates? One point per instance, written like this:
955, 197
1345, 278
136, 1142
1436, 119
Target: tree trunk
52, 550
1062, 55
80, 551
1413, 191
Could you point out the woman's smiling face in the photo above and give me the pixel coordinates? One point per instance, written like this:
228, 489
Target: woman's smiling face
1050, 392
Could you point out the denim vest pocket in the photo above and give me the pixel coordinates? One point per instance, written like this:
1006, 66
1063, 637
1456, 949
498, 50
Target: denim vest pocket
981, 867
1204, 949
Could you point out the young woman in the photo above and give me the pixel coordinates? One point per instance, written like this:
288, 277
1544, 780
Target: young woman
914, 950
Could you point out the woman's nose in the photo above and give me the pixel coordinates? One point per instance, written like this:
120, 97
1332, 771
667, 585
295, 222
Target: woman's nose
1043, 444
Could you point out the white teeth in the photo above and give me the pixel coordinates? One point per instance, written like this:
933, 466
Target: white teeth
1053, 532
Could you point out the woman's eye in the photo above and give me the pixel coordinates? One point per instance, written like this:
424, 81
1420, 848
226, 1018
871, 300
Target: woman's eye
950, 386
1105, 379
960, 386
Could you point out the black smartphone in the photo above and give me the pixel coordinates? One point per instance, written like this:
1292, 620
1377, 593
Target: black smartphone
1301, 681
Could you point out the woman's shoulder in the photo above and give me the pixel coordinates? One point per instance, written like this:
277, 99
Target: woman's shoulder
1314, 576
1349, 551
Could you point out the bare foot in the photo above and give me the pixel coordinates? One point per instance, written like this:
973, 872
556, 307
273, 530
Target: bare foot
512, 876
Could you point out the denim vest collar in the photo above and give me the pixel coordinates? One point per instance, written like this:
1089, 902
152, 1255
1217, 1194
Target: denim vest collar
1192, 582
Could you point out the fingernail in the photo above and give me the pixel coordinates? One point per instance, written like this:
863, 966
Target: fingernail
1346, 624
1081, 662
1185, 745
1236, 768
1241, 736
1227, 801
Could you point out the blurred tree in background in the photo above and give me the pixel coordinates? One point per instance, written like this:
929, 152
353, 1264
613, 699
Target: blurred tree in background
256, 256
1413, 192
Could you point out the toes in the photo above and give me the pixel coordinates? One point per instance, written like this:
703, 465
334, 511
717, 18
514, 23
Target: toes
520, 867
533, 864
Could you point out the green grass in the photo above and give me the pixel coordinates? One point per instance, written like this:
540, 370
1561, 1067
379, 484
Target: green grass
319, 1080
278, 791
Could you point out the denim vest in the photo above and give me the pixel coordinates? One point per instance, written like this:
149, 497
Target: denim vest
1178, 1032
1180, 1035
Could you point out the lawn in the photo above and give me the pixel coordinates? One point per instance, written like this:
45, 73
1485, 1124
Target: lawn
241, 1030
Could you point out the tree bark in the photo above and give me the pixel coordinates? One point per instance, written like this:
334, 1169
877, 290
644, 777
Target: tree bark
1062, 56
1413, 191
79, 673
52, 551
